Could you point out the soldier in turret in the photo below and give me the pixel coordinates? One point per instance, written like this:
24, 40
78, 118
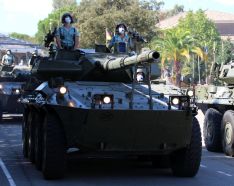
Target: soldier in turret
8, 59
67, 36
121, 41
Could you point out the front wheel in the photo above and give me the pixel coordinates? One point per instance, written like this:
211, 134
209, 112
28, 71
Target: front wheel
227, 130
212, 130
53, 148
186, 162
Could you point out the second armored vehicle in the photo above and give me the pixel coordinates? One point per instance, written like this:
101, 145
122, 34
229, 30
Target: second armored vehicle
217, 103
101, 103
11, 80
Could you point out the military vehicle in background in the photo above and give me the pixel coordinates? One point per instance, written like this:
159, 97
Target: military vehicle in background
101, 104
11, 80
217, 103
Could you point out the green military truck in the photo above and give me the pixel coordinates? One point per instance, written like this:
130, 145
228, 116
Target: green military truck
217, 103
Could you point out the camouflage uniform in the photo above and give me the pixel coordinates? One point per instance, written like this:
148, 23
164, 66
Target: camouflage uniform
67, 36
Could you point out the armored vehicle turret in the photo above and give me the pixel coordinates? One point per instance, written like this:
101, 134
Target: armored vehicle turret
11, 80
216, 102
103, 103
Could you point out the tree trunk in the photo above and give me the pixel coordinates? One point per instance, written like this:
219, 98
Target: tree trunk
177, 73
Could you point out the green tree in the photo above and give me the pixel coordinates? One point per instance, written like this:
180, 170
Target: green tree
225, 54
205, 34
52, 21
174, 45
96, 15
58, 4
169, 13
24, 37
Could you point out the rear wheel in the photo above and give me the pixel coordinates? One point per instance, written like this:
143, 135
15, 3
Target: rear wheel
1, 111
38, 140
25, 133
212, 130
53, 153
186, 162
227, 129
31, 135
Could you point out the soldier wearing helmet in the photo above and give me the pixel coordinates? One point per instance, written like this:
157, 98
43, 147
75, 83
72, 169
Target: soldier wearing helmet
121, 41
8, 59
67, 36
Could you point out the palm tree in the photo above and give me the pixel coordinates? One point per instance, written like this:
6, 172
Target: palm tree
176, 45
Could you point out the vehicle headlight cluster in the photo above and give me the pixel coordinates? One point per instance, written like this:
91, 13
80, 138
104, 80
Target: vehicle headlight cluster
102, 99
190, 93
181, 102
62, 90
1, 87
16, 90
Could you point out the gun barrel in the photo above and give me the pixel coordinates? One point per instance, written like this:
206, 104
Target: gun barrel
147, 56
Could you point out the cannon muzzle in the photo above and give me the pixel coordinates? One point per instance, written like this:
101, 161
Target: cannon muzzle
121, 62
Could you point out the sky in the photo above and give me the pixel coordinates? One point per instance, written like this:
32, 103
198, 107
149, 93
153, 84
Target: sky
22, 16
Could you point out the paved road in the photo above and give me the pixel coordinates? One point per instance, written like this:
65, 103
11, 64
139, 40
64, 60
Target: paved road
216, 169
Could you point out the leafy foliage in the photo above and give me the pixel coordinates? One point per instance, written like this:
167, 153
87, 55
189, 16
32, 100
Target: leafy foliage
24, 37
201, 33
58, 4
96, 15
225, 54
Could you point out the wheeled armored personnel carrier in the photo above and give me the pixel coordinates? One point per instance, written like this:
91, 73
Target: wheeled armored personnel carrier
216, 102
11, 80
101, 103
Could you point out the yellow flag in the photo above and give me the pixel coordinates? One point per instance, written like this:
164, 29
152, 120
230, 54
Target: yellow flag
108, 35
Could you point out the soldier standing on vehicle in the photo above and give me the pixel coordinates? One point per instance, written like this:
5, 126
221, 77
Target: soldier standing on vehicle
67, 36
121, 41
8, 59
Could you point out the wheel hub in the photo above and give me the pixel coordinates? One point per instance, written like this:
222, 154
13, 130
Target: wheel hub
228, 133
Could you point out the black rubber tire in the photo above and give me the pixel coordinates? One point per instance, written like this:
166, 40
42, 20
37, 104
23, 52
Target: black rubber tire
53, 157
1, 112
38, 140
31, 136
186, 162
212, 130
25, 134
227, 130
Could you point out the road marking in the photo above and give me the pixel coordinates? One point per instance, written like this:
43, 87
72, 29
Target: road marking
204, 166
7, 174
224, 173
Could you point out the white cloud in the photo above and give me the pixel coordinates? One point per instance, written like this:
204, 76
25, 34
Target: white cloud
225, 2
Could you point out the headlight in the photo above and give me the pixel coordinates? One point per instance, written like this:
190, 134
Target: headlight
62, 90
190, 93
1, 86
17, 91
100, 100
175, 101
106, 99
180, 102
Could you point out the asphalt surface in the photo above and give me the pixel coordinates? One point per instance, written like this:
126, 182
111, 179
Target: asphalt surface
216, 169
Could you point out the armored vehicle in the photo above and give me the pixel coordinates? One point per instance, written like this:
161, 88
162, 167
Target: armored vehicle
216, 102
11, 80
101, 104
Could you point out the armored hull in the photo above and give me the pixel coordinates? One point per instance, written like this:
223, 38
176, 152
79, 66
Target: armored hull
11, 81
217, 104
97, 116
